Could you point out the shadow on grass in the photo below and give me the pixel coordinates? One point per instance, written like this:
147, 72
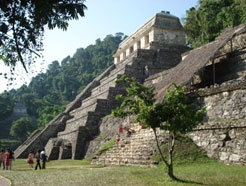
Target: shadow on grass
188, 181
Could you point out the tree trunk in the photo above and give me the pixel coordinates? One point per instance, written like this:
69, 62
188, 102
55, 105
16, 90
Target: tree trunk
170, 172
159, 149
171, 149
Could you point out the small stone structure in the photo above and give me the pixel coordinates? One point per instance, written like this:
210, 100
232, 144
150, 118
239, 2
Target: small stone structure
215, 75
18, 112
162, 30
20, 109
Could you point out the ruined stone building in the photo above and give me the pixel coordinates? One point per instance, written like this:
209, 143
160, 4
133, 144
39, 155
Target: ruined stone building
156, 54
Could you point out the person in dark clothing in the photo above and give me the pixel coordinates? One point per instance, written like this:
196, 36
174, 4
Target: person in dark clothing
37, 156
43, 158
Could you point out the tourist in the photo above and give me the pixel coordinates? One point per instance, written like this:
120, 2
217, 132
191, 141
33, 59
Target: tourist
11, 158
120, 129
7, 159
117, 139
128, 131
30, 159
37, 156
44, 158
2, 158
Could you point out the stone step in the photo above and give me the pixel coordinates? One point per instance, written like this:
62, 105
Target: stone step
113, 75
135, 149
129, 152
128, 156
105, 84
127, 159
140, 163
108, 94
89, 118
119, 70
90, 107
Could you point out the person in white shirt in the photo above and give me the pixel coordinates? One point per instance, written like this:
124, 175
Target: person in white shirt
43, 158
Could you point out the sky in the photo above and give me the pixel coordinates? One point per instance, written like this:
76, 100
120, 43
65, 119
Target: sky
102, 17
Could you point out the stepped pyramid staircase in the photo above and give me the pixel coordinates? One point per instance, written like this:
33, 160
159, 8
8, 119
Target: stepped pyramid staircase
134, 150
69, 134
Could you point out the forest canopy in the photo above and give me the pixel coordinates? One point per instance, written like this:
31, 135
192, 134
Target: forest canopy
49, 92
206, 21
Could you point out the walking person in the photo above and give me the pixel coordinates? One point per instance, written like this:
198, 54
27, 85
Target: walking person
37, 156
30, 159
2, 159
44, 158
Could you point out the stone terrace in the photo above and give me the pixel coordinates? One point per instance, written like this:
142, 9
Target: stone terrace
134, 150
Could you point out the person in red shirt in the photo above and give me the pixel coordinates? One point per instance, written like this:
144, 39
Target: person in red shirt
30, 159
7, 159
120, 129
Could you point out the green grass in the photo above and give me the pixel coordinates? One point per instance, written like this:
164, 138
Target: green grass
191, 166
81, 173
107, 146
185, 151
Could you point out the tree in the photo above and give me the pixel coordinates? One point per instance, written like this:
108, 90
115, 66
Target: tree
176, 114
22, 25
6, 105
47, 114
21, 128
205, 22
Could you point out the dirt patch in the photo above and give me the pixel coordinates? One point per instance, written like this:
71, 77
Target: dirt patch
4, 181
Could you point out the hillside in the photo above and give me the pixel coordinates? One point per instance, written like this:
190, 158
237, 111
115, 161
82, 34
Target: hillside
49, 92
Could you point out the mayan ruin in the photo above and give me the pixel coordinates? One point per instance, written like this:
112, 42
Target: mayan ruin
157, 55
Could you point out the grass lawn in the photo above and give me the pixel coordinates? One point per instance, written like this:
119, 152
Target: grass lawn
81, 173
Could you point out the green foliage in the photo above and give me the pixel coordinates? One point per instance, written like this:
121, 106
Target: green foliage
139, 98
63, 82
106, 147
175, 115
12, 144
47, 114
210, 18
32, 103
178, 114
21, 128
6, 106
22, 25
48, 93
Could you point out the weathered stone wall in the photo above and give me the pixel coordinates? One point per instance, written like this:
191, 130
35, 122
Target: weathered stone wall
165, 36
223, 134
224, 130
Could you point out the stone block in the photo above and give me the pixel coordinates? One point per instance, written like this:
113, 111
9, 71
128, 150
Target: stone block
224, 156
234, 157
